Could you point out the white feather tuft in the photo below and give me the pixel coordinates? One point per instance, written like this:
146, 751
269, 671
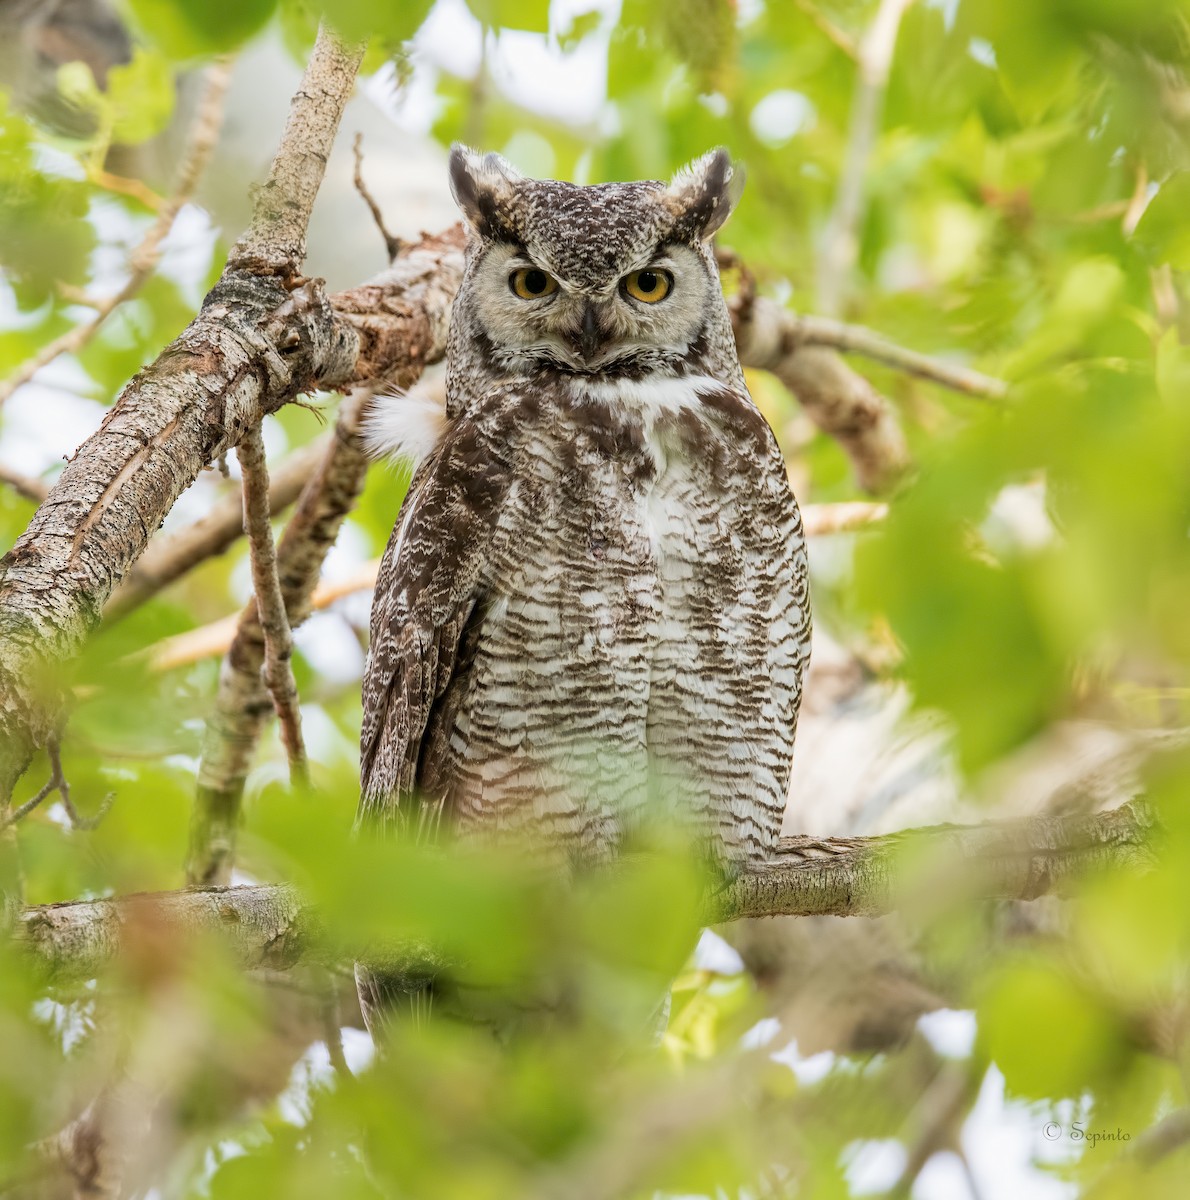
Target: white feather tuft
405, 425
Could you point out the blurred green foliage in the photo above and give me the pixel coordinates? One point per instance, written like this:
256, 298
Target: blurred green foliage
1023, 212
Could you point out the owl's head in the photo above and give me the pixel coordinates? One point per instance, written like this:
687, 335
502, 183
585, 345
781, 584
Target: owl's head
611, 279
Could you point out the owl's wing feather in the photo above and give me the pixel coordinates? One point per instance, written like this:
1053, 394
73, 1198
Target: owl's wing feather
428, 600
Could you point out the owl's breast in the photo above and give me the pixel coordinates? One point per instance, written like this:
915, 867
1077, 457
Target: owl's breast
629, 626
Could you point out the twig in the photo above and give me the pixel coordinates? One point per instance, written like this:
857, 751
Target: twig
168, 558
843, 40
263, 336
273, 927
270, 605
819, 520
840, 243
332, 1023
392, 245
215, 638
58, 783
841, 402
204, 134
135, 188
32, 489
766, 328
810, 330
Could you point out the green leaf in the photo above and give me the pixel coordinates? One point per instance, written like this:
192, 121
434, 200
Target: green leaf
77, 85
191, 28
1163, 233
390, 21
532, 15
141, 94
44, 237
1049, 1036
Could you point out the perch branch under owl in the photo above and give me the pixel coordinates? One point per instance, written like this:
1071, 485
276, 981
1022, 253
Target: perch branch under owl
914, 871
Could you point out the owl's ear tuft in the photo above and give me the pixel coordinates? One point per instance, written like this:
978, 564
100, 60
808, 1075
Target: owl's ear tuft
704, 193
481, 184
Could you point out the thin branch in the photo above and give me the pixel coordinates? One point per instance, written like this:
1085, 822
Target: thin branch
263, 336
204, 134
392, 245
270, 604
764, 322
820, 520
25, 485
216, 638
171, 556
838, 37
272, 927
807, 330
840, 241
137, 189
276, 241
241, 707
16, 814
841, 402
58, 783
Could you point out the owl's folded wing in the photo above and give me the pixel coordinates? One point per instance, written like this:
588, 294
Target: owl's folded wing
427, 602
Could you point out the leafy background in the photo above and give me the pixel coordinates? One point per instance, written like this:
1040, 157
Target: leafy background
1023, 212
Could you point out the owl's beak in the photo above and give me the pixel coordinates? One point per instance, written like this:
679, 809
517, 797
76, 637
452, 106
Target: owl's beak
591, 332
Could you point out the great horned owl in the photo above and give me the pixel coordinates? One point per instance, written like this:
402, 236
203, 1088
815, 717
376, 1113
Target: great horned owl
593, 609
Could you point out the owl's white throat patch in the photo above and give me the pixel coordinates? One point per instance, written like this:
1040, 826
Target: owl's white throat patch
404, 426
649, 397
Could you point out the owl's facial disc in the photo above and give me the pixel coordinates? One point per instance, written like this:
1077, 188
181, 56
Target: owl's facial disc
642, 309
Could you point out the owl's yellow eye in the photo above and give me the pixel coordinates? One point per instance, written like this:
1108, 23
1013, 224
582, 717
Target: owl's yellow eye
648, 286
531, 283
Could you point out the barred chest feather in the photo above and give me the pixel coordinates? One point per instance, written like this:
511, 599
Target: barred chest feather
642, 623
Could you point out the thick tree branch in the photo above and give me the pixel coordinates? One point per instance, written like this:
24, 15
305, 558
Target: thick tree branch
271, 926
841, 402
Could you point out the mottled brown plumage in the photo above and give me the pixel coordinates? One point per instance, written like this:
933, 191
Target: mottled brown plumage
593, 610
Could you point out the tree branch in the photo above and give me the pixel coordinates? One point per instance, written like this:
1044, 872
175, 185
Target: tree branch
261, 338
25, 485
402, 320
808, 330
840, 243
272, 927
270, 604
170, 557
841, 402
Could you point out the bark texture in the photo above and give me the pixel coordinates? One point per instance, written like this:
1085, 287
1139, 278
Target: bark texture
271, 926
